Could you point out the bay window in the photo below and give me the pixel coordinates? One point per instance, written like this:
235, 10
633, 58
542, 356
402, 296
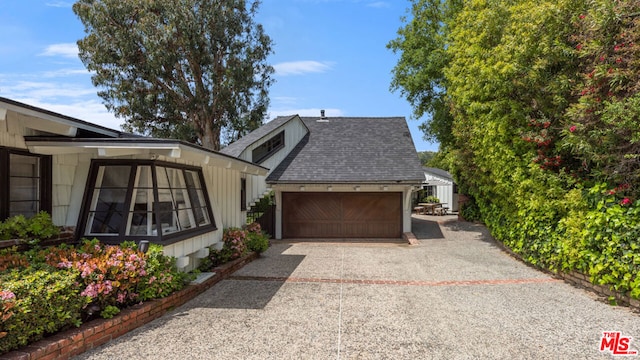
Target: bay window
145, 200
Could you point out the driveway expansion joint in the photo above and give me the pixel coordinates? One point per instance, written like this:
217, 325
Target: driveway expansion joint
397, 282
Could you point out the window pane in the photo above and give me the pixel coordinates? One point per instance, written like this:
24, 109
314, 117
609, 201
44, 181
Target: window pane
24, 185
143, 179
176, 178
192, 179
161, 174
105, 222
185, 217
110, 200
202, 217
115, 176
26, 208
24, 166
198, 198
25, 189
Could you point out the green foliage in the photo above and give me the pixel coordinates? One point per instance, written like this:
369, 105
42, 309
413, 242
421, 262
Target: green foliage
109, 312
32, 230
236, 243
181, 69
544, 114
431, 199
162, 275
45, 302
256, 240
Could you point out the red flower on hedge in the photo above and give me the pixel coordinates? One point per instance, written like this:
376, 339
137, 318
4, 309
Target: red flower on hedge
625, 201
573, 128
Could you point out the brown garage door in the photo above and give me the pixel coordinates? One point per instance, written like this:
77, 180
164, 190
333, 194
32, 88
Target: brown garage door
341, 215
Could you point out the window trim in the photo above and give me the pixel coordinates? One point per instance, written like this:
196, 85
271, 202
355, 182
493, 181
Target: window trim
45, 179
162, 239
271, 149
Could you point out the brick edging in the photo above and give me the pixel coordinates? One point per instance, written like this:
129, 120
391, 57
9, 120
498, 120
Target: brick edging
69, 343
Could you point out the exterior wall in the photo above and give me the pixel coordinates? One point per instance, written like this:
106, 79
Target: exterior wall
444, 190
407, 191
294, 131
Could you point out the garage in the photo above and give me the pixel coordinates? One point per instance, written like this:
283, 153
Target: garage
341, 215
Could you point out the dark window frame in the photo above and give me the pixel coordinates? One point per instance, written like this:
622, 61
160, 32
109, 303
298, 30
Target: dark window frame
268, 148
243, 194
45, 180
160, 238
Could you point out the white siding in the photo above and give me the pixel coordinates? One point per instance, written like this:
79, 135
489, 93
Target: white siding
294, 131
444, 190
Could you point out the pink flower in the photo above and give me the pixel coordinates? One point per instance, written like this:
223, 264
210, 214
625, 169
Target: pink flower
625, 201
579, 47
7, 295
573, 128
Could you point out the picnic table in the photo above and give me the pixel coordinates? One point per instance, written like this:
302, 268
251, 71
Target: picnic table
430, 207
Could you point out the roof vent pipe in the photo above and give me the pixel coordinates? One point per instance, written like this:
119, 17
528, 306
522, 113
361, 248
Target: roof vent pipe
322, 113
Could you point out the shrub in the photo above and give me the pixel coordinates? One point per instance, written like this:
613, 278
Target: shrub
431, 199
12, 259
256, 240
162, 275
235, 241
43, 303
109, 273
33, 230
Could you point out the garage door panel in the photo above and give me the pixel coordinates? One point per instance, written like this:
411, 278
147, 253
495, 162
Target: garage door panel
342, 215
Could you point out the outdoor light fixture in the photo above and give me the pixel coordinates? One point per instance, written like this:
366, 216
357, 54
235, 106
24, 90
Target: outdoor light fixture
329, 188
302, 188
357, 188
385, 188
143, 246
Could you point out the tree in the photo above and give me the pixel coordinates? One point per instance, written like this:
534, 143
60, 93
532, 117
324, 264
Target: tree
187, 69
419, 73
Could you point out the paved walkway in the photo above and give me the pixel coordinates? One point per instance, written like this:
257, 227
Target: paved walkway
456, 295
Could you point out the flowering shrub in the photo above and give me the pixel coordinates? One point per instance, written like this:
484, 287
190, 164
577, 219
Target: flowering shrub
7, 302
234, 239
236, 243
162, 275
109, 273
256, 240
43, 302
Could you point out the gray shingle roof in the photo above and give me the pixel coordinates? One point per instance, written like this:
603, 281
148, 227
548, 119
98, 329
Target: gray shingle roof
352, 150
236, 148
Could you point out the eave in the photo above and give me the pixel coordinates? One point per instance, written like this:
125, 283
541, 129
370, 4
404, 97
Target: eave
145, 148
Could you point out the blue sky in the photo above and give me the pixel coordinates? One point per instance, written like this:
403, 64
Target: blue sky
328, 54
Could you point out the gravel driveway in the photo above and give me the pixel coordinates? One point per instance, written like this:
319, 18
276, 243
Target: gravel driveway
456, 295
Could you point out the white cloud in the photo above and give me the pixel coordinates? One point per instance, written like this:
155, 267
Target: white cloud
301, 67
60, 4
65, 73
69, 50
273, 113
379, 4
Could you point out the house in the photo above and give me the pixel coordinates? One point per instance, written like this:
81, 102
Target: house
439, 183
335, 177
117, 187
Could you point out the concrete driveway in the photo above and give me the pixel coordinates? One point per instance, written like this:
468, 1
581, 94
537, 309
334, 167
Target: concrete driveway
456, 295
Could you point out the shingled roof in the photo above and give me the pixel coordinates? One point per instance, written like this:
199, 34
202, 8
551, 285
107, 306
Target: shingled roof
352, 150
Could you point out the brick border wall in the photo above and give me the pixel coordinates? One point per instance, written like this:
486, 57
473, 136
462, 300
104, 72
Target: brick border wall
94, 333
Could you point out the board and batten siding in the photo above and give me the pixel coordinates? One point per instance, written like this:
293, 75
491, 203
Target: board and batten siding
294, 131
443, 191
